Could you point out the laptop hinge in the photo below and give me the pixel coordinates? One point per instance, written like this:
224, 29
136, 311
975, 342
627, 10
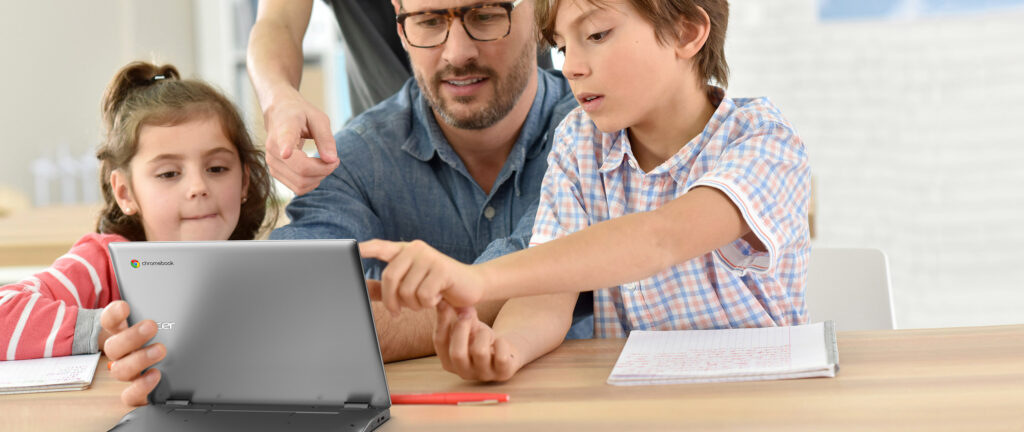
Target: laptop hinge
356, 405
177, 402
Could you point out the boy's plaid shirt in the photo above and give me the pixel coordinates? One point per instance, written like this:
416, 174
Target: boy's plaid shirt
749, 152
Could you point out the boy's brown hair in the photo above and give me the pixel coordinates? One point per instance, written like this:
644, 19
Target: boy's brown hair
666, 16
146, 94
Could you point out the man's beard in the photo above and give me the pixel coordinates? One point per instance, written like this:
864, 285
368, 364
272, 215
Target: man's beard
507, 92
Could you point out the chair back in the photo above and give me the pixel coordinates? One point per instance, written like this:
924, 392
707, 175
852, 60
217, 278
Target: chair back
851, 287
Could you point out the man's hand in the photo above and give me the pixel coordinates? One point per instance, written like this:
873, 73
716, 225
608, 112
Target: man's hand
418, 276
470, 349
124, 345
290, 120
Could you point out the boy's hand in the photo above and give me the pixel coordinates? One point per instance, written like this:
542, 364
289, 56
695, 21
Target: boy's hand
418, 276
124, 345
470, 349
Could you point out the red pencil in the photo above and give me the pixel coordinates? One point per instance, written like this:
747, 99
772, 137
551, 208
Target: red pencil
449, 398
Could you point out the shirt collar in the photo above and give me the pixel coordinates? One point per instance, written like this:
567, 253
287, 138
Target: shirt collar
680, 164
616, 147
426, 137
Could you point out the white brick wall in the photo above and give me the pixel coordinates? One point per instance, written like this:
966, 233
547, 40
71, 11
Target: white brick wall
914, 129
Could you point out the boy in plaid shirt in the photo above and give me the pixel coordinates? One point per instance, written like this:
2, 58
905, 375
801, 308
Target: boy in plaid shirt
690, 205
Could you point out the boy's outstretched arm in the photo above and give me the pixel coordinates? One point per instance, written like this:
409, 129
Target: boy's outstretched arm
620, 250
613, 252
417, 276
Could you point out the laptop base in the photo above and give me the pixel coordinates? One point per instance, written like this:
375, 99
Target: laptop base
160, 418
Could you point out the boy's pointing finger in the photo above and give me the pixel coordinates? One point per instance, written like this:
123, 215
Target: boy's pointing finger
380, 249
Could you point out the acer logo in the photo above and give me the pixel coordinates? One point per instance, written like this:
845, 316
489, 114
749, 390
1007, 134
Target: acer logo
165, 325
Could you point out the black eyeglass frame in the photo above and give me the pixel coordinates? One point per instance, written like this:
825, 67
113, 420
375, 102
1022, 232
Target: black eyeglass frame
458, 12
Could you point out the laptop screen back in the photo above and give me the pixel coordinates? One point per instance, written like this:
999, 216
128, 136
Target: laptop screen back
256, 322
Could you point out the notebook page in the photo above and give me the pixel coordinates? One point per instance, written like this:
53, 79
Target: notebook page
710, 354
54, 373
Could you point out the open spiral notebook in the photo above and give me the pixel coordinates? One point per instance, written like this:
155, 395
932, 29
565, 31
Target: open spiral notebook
745, 354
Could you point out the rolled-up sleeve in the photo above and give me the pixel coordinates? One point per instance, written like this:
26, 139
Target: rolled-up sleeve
767, 176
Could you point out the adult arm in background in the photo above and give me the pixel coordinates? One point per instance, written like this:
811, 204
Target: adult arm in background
274, 60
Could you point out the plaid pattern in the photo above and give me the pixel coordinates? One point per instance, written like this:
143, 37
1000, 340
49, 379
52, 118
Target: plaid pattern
749, 152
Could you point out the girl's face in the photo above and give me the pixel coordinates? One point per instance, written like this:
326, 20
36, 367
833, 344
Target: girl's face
187, 182
619, 72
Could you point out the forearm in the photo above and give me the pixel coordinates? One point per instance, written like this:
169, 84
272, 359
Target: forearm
274, 54
41, 317
536, 325
410, 334
34, 325
620, 250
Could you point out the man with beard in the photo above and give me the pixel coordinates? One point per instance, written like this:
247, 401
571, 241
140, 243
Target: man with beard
376, 67
454, 159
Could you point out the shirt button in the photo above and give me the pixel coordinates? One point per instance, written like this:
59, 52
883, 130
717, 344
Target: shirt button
489, 212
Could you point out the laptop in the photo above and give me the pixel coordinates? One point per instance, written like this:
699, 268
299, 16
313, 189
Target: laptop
260, 335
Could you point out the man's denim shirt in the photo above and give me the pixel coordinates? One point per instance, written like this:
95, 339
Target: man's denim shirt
399, 179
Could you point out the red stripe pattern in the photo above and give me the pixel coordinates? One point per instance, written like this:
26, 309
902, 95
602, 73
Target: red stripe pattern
37, 314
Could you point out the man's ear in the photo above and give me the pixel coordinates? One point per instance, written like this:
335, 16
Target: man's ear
692, 35
401, 37
122, 190
398, 28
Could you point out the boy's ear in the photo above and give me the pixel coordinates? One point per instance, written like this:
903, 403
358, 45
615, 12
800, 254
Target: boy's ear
693, 35
123, 193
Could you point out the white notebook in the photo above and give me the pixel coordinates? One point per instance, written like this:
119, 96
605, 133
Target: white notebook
48, 374
746, 354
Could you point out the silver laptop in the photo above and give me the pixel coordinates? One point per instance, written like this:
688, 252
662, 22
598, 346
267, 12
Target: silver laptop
260, 335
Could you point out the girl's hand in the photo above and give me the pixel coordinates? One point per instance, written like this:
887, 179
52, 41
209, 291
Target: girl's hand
418, 276
470, 349
124, 345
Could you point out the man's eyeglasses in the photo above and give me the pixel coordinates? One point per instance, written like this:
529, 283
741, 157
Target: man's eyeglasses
483, 22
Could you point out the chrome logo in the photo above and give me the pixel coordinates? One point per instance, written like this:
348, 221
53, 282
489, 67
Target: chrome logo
135, 263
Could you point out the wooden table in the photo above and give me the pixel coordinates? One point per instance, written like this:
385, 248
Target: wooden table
957, 379
37, 236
